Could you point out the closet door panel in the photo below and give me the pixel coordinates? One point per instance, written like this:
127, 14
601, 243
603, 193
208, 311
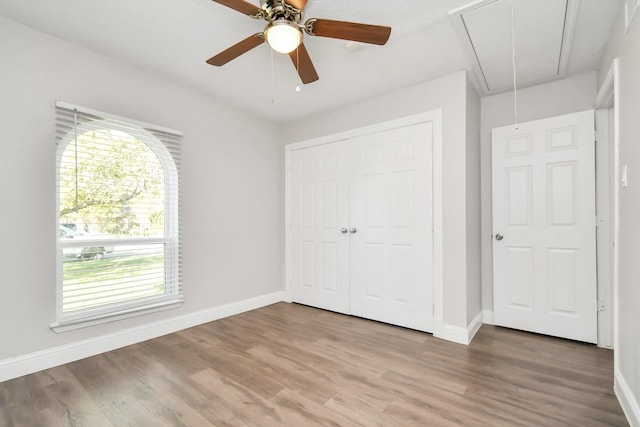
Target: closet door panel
320, 251
391, 250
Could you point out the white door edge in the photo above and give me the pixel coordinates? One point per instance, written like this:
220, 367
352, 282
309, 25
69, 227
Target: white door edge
434, 116
604, 242
287, 226
609, 98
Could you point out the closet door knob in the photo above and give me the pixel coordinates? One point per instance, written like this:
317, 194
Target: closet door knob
344, 230
353, 230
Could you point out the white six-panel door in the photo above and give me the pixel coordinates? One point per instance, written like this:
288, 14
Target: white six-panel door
361, 226
544, 227
320, 250
392, 250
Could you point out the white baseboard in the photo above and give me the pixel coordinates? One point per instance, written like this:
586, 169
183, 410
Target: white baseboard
474, 325
487, 317
453, 333
461, 335
627, 400
48, 358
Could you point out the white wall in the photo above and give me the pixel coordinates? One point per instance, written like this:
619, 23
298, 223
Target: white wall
626, 47
559, 97
473, 191
232, 202
449, 94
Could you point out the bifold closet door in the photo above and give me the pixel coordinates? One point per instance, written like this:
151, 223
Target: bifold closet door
361, 226
319, 209
391, 207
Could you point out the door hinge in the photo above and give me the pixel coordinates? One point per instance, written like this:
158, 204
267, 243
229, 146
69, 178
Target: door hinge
600, 306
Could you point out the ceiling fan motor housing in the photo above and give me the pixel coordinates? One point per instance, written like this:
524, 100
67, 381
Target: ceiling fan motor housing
274, 10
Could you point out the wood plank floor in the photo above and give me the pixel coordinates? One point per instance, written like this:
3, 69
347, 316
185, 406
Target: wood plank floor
292, 365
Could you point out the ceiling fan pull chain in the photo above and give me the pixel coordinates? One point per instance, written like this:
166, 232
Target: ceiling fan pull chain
273, 96
298, 66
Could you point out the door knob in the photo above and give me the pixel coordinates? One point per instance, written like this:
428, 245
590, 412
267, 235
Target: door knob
499, 236
353, 230
344, 230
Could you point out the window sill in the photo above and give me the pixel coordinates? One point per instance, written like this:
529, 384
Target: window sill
71, 325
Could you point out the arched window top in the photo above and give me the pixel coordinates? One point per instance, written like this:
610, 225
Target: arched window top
158, 141
112, 182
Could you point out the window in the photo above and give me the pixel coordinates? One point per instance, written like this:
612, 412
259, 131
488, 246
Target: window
118, 244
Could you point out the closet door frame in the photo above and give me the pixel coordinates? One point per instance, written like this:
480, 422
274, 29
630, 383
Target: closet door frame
434, 117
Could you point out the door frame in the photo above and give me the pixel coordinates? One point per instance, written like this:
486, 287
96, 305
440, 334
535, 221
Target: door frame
608, 99
434, 116
607, 112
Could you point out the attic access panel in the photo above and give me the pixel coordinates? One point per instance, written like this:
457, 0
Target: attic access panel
543, 30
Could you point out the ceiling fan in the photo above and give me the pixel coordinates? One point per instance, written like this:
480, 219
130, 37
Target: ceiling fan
284, 29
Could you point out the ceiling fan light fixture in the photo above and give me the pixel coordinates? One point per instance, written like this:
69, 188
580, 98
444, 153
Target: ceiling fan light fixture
283, 36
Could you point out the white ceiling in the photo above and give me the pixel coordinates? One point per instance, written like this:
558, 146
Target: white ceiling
174, 38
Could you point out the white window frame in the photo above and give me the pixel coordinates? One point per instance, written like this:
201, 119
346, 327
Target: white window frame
166, 149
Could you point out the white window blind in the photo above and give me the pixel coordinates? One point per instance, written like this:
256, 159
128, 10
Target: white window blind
117, 217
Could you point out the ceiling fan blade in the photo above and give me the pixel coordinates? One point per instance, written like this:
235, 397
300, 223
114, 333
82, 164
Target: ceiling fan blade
298, 4
236, 50
302, 61
241, 6
374, 34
